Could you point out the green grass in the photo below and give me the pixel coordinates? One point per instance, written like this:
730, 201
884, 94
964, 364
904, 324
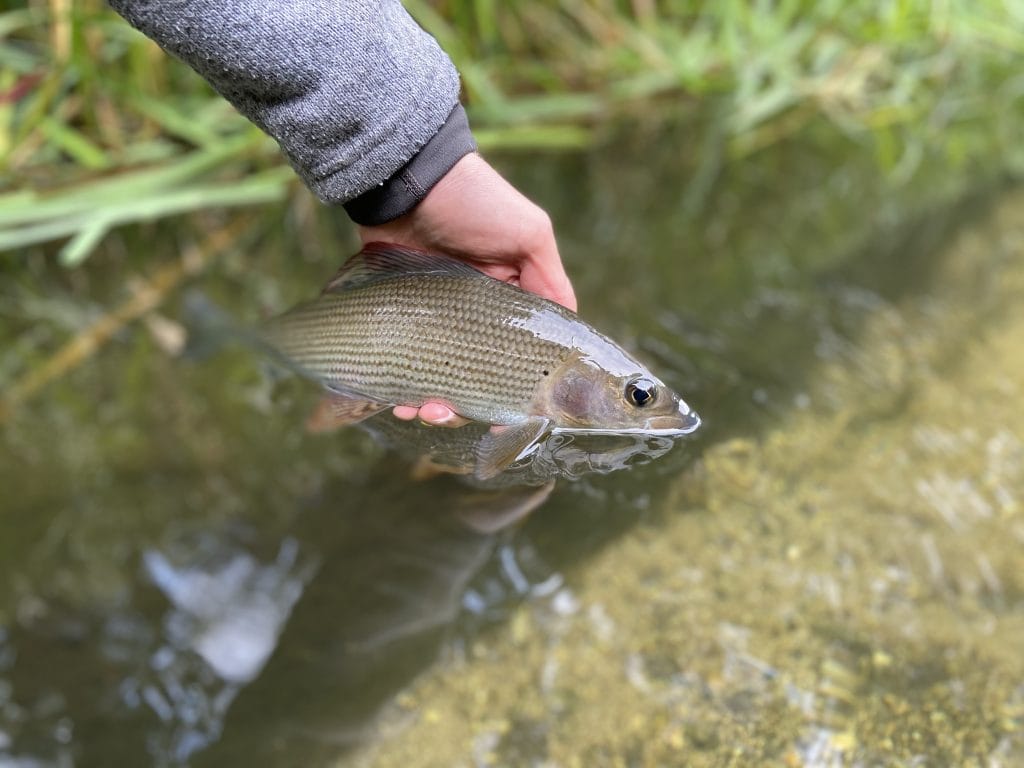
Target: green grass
99, 128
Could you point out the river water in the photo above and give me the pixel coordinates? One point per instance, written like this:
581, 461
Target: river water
830, 573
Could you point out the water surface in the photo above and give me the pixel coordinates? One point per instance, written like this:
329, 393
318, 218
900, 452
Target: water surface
830, 574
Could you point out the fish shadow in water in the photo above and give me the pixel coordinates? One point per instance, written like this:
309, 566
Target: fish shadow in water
377, 613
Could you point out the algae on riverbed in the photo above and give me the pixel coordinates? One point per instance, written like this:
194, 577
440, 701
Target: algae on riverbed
846, 589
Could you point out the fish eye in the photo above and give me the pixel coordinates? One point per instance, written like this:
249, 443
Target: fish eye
641, 392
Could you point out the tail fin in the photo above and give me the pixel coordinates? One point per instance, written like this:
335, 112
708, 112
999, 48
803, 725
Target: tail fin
210, 328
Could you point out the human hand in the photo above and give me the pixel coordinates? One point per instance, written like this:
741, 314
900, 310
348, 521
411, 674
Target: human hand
475, 215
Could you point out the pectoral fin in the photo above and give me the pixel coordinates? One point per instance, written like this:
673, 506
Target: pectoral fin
336, 410
499, 450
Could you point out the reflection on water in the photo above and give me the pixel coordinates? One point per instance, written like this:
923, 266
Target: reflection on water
228, 613
561, 453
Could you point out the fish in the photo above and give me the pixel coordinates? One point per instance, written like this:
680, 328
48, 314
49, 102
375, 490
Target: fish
400, 326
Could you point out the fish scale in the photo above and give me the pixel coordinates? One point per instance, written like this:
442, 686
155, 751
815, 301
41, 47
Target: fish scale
458, 338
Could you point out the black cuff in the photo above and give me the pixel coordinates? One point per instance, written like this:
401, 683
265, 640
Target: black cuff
411, 183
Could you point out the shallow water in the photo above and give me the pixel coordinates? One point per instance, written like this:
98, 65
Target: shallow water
829, 574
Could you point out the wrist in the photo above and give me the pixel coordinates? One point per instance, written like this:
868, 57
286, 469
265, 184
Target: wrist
414, 180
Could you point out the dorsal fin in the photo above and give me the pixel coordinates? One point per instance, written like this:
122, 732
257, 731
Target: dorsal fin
380, 261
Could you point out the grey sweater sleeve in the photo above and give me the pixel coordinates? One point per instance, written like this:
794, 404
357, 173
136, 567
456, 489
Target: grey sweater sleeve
352, 90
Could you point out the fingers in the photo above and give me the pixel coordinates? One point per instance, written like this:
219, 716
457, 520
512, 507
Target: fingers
434, 414
440, 415
535, 251
548, 279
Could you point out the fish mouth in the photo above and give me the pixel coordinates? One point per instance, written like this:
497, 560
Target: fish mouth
685, 421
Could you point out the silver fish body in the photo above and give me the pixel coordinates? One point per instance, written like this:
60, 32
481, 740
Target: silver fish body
454, 338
